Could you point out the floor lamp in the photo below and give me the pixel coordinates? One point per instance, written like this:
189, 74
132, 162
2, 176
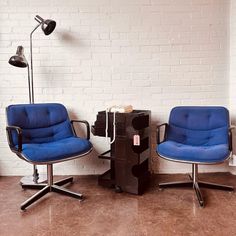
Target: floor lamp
19, 60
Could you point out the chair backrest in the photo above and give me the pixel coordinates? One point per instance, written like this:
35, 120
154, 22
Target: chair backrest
40, 123
196, 125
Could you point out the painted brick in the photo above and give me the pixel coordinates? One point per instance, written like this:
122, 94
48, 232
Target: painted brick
153, 54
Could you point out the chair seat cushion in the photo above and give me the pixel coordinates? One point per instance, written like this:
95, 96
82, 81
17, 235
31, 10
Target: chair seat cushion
57, 150
200, 154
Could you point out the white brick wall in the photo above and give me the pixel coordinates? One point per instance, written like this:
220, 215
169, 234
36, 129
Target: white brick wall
232, 71
153, 54
233, 60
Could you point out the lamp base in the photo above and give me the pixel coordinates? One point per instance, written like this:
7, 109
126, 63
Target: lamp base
30, 179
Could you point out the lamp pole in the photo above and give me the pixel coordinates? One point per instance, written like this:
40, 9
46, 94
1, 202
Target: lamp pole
31, 63
31, 84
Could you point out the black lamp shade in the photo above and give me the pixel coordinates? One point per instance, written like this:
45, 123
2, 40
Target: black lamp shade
48, 26
18, 60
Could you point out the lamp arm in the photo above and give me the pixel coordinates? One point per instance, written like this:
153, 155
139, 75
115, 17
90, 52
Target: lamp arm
31, 63
39, 19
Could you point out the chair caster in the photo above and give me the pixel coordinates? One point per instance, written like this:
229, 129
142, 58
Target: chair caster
118, 189
82, 199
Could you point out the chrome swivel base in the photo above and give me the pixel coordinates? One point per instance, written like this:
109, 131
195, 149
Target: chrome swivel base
50, 186
195, 184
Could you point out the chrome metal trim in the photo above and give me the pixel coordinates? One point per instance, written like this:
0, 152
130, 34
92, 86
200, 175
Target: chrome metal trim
61, 190
64, 181
195, 173
210, 185
50, 175
33, 186
176, 184
192, 162
52, 162
49, 187
35, 197
199, 194
196, 184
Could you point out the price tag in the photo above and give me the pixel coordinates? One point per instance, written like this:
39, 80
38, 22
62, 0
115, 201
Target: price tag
136, 140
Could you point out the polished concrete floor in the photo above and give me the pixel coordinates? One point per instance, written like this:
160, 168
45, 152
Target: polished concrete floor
104, 212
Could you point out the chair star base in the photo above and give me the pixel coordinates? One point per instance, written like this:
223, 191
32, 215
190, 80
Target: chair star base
196, 184
42, 185
49, 187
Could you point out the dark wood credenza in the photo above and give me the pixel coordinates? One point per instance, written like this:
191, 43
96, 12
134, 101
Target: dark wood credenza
128, 162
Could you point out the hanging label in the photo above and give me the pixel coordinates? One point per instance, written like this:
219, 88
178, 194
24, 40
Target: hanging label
136, 140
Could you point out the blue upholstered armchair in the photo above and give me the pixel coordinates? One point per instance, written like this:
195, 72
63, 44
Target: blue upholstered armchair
42, 134
196, 135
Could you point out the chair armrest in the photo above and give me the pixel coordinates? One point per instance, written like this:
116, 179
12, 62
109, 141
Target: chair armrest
230, 137
84, 122
165, 125
18, 130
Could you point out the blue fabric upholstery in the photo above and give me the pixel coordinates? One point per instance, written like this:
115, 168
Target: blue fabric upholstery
197, 134
53, 151
46, 131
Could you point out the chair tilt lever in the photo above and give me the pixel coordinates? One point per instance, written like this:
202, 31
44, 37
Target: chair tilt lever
49, 187
196, 184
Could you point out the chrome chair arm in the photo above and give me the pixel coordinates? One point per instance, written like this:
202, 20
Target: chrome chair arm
84, 122
230, 137
18, 130
158, 134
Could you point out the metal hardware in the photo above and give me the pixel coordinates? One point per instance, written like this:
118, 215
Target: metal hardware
198, 193
176, 184
158, 136
31, 63
18, 130
84, 122
230, 137
196, 184
35, 197
49, 187
215, 186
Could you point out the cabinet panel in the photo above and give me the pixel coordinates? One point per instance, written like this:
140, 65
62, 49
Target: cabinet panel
129, 163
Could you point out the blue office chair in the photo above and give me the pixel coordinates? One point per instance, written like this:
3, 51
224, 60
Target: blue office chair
42, 134
196, 135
